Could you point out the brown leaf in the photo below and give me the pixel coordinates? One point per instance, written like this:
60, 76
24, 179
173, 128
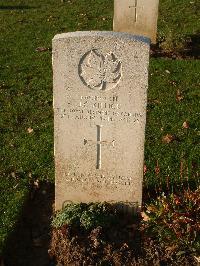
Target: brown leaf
157, 170
197, 260
29, 175
186, 125
145, 217
173, 83
151, 208
168, 138
13, 174
179, 96
29, 130
42, 49
36, 183
171, 249
125, 245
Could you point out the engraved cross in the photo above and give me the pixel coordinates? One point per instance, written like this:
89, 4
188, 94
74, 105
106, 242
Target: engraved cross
99, 144
135, 7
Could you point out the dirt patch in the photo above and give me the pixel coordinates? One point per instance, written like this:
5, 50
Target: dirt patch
119, 245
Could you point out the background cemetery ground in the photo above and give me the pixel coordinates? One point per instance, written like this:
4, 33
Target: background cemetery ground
26, 116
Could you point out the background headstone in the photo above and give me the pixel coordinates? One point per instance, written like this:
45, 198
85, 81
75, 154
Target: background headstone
137, 17
100, 95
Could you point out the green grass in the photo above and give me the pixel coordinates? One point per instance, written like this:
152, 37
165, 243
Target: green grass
179, 21
26, 92
166, 115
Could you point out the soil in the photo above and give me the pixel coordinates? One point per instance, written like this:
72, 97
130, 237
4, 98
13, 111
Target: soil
119, 245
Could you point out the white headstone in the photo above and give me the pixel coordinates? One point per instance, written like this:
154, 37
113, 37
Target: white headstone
137, 17
100, 95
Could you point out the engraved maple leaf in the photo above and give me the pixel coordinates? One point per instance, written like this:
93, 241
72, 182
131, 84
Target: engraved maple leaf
92, 70
98, 71
112, 68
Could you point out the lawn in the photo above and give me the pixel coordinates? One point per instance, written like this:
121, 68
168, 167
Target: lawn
26, 114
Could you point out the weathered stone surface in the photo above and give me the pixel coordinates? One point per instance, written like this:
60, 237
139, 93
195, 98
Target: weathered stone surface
100, 92
137, 17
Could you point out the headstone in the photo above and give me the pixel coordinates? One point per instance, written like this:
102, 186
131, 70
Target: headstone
137, 17
100, 95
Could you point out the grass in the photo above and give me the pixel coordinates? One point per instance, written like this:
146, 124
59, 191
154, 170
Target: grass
179, 21
26, 115
166, 115
12, 197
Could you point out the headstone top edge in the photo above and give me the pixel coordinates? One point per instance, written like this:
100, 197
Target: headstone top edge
123, 35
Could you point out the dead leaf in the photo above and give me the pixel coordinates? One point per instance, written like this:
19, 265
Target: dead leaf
36, 183
42, 49
157, 168
186, 125
171, 249
29, 130
197, 260
156, 101
168, 138
173, 83
179, 96
13, 174
145, 217
125, 245
151, 208
167, 71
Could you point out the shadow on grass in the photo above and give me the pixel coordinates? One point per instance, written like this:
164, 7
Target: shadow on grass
29, 243
193, 46
191, 49
16, 7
